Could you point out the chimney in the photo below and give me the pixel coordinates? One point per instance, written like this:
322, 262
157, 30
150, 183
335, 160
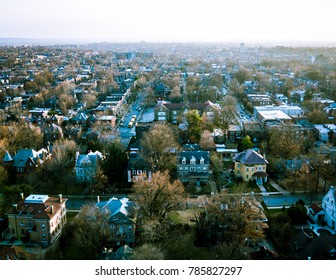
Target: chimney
77, 155
60, 198
22, 195
51, 209
98, 199
15, 206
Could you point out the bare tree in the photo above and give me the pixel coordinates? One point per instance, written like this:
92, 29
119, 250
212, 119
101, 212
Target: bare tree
157, 197
158, 145
148, 251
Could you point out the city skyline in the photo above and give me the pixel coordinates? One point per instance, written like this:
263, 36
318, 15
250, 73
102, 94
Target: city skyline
174, 21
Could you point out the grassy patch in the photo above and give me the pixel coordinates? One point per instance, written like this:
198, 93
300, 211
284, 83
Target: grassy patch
70, 216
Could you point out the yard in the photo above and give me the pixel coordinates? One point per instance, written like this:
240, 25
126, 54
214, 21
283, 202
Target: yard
184, 248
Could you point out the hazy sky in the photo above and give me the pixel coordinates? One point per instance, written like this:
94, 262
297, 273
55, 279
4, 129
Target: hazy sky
170, 20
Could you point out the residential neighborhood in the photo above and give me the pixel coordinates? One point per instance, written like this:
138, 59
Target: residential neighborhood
136, 151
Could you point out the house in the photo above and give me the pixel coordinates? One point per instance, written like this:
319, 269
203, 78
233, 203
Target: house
137, 168
250, 165
234, 133
322, 132
316, 213
37, 218
193, 166
307, 245
87, 165
16, 253
226, 154
25, 160
121, 218
329, 206
174, 112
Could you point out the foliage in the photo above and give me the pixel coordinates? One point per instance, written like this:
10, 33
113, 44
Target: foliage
12, 194
232, 217
148, 251
206, 142
285, 142
245, 144
115, 163
194, 125
158, 145
157, 197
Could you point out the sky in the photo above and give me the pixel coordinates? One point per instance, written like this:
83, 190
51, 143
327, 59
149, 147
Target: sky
170, 20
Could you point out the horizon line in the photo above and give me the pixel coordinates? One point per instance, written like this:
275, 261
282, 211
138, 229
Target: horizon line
83, 41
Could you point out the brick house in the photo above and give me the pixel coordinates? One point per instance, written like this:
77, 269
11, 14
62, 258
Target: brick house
38, 218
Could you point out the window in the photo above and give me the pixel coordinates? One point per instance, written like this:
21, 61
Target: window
193, 160
43, 227
247, 176
181, 168
186, 169
199, 169
21, 224
192, 169
22, 231
204, 169
247, 169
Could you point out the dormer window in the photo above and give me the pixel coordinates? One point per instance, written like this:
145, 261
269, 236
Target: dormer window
193, 160
202, 160
183, 160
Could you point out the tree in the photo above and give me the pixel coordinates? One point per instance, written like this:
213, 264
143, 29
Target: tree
207, 143
242, 76
245, 144
157, 197
285, 142
234, 218
12, 194
224, 118
148, 251
115, 163
157, 147
194, 125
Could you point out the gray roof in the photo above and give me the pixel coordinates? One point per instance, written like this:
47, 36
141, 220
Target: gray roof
250, 157
23, 155
90, 159
198, 155
115, 206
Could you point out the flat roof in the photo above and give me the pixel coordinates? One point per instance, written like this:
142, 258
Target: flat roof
37, 198
274, 115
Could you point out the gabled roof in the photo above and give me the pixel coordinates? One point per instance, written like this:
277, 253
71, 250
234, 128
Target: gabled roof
115, 206
91, 159
250, 157
23, 155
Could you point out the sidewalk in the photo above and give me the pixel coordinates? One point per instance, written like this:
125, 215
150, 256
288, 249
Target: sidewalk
276, 186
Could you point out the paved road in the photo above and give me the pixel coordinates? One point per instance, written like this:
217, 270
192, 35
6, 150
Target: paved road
272, 201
